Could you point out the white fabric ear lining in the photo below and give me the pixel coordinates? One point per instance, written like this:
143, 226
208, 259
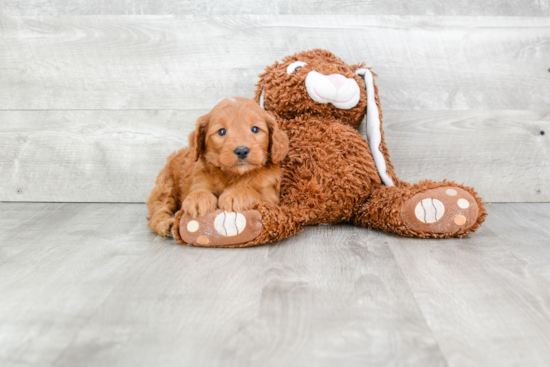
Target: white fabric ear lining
262, 103
374, 136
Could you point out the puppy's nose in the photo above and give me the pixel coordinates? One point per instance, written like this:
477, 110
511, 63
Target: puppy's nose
241, 152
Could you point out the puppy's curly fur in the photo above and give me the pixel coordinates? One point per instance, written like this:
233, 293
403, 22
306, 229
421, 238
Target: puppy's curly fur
210, 174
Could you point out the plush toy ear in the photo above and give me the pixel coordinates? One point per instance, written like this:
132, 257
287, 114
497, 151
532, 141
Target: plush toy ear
278, 141
198, 136
262, 99
374, 136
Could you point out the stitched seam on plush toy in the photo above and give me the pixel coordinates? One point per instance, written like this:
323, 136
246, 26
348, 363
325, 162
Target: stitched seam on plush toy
223, 224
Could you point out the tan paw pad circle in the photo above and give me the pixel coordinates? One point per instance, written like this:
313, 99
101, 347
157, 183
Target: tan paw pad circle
429, 210
229, 223
463, 203
201, 240
460, 220
193, 226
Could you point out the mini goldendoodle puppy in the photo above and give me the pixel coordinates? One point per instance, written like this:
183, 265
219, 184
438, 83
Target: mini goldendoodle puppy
232, 163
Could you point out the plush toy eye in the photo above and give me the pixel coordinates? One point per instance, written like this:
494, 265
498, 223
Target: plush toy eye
255, 129
222, 132
295, 66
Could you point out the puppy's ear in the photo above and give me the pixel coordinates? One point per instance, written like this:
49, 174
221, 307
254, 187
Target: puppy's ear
278, 141
197, 139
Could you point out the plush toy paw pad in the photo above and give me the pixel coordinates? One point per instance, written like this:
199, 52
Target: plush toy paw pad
230, 224
429, 210
221, 228
441, 210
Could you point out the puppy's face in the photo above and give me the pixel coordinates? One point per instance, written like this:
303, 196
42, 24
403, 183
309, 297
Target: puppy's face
238, 136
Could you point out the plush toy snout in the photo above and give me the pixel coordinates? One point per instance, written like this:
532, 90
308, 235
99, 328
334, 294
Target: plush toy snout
336, 89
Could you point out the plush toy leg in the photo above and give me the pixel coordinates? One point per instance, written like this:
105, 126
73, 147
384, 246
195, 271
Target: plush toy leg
428, 210
263, 224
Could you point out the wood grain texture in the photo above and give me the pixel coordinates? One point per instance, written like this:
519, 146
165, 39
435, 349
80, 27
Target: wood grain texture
60, 263
87, 156
90, 285
307, 7
115, 156
88, 288
191, 62
503, 154
477, 292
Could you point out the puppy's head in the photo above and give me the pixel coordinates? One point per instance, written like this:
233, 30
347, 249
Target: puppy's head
238, 136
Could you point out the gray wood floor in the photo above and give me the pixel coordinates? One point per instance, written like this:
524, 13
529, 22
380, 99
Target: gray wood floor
90, 285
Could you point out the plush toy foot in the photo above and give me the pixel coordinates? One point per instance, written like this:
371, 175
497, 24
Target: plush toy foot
442, 210
220, 228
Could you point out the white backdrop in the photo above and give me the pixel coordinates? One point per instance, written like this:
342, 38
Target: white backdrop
94, 95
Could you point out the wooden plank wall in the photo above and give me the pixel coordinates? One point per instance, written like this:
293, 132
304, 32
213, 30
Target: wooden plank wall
94, 95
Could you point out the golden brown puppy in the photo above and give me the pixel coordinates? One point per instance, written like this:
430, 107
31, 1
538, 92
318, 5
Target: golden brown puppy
232, 162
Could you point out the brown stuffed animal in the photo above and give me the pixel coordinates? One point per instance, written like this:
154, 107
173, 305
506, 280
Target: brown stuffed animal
332, 174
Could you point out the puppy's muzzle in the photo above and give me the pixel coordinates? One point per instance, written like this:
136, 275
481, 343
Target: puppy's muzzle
241, 152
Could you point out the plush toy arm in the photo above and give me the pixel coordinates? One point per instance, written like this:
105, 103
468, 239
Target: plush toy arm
265, 223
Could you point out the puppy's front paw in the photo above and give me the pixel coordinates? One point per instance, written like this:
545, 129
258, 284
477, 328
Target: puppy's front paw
165, 227
235, 201
199, 203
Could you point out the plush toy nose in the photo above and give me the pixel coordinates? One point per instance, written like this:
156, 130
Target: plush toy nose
241, 152
337, 80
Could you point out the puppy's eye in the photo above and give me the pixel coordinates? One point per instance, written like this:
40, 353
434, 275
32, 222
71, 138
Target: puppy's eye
255, 129
295, 66
222, 132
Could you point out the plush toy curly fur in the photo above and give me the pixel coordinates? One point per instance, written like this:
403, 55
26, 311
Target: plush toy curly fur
332, 174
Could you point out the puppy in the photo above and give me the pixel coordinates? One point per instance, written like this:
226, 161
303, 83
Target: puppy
232, 162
